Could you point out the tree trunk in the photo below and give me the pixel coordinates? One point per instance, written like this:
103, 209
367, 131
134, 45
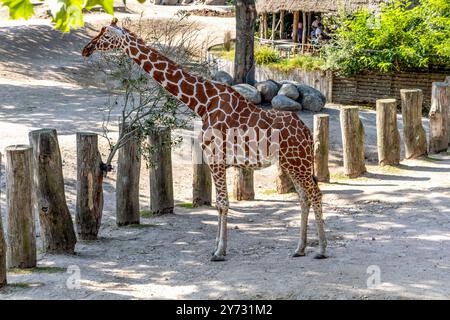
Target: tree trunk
57, 230
274, 26
439, 126
89, 186
202, 182
243, 184
127, 183
321, 145
281, 23
284, 182
352, 142
413, 132
244, 72
21, 229
160, 172
388, 137
295, 26
3, 250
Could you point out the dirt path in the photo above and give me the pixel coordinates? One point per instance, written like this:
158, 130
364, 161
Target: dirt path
393, 218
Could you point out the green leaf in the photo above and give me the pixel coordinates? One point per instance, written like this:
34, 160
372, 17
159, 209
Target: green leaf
67, 14
19, 8
108, 5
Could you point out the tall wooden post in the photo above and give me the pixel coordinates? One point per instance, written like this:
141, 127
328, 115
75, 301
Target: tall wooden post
21, 228
89, 186
281, 24
3, 250
304, 32
321, 145
160, 171
388, 137
274, 26
439, 117
295, 26
243, 184
57, 230
413, 132
127, 182
352, 141
202, 181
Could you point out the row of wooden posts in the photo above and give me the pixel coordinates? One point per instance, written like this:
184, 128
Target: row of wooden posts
35, 181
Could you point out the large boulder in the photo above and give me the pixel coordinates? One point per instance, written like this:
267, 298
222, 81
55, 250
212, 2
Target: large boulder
248, 92
169, 2
223, 77
268, 89
284, 103
289, 90
215, 2
310, 98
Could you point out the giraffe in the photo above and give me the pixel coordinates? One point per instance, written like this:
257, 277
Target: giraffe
223, 110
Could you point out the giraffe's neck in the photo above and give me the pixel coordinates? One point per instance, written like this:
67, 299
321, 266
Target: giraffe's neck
186, 87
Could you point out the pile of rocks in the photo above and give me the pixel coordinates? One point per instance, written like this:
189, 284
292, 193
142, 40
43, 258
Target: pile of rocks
284, 95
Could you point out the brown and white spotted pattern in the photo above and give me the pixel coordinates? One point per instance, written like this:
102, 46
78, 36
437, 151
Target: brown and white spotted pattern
224, 110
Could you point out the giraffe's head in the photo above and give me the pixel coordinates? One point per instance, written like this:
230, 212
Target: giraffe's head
110, 37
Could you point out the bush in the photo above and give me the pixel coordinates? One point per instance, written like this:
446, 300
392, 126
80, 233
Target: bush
401, 36
266, 55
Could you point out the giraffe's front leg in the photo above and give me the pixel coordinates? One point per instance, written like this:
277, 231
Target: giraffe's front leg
219, 176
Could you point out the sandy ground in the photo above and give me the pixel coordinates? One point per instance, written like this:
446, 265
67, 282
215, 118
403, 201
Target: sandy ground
394, 219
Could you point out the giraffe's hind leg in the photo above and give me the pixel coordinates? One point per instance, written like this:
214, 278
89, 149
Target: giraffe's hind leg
310, 193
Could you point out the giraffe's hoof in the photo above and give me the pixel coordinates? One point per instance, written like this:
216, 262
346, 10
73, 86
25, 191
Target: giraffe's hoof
298, 254
320, 256
217, 258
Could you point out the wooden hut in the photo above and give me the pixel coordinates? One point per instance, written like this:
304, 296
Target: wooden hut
303, 11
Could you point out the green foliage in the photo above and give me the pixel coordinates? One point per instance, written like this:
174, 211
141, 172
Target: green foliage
308, 63
399, 37
266, 55
19, 8
66, 14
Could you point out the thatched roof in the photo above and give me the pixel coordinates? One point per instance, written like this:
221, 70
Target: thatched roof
312, 5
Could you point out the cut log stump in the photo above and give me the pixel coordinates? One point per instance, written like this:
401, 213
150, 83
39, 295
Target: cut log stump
127, 182
89, 186
413, 132
56, 224
160, 172
321, 145
388, 136
352, 141
439, 117
21, 228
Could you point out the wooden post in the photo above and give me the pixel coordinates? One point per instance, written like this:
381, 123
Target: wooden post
352, 141
274, 26
413, 132
388, 137
127, 182
284, 182
57, 230
309, 22
89, 186
304, 32
160, 172
3, 250
439, 113
243, 184
295, 26
281, 23
202, 182
21, 229
321, 145
265, 27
